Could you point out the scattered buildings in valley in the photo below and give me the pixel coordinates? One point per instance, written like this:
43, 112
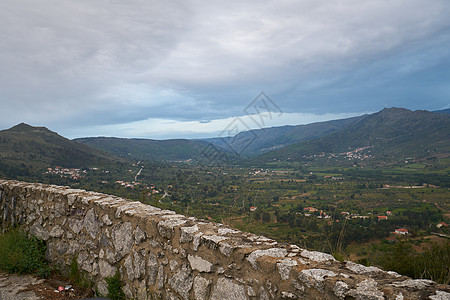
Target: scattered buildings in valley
310, 209
401, 231
65, 172
128, 184
442, 224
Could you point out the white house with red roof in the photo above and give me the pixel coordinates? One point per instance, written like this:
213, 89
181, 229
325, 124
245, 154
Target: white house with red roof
402, 231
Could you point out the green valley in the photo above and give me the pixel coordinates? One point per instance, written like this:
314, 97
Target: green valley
383, 190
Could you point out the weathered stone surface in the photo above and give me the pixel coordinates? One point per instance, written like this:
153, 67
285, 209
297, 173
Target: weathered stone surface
75, 225
59, 209
227, 230
102, 287
160, 279
173, 264
122, 238
272, 252
40, 232
139, 265
110, 256
182, 282
284, 267
317, 256
85, 262
163, 255
226, 249
91, 223
139, 235
315, 277
414, 283
263, 295
226, 289
367, 290
199, 264
128, 264
360, 269
74, 247
340, 289
212, 241
166, 228
196, 242
142, 291
392, 273
251, 292
152, 269
106, 270
201, 288
71, 199
30, 218
187, 233
128, 291
287, 295
86, 199
171, 296
105, 220
56, 231
440, 295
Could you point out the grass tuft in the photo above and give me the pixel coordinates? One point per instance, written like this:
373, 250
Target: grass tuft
23, 255
115, 287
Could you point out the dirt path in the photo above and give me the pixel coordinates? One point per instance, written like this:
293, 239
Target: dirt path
14, 287
21, 287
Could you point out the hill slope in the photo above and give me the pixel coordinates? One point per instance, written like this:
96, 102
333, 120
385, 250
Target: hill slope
146, 149
443, 111
390, 134
27, 148
258, 141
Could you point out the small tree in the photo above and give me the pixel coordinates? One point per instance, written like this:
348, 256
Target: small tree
266, 217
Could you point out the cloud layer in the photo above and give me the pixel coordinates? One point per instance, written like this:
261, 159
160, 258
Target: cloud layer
81, 67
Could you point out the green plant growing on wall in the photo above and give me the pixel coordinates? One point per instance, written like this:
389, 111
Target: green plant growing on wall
115, 287
21, 254
77, 277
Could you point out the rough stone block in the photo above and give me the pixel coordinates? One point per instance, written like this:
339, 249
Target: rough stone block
201, 288
122, 238
182, 282
226, 289
206, 260
199, 264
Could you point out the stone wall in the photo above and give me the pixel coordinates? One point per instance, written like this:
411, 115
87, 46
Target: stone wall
164, 255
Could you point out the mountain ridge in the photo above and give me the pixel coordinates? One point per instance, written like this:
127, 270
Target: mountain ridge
265, 139
149, 149
391, 132
25, 148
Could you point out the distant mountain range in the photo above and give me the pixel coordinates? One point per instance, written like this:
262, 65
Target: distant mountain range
443, 111
146, 149
259, 141
248, 143
391, 134
24, 148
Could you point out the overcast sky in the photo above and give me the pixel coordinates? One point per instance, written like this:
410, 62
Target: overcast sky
184, 68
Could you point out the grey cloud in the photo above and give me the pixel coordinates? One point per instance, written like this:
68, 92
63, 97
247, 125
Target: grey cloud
111, 62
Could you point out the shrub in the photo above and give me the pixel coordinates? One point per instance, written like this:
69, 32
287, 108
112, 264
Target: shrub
115, 287
21, 254
432, 264
77, 277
